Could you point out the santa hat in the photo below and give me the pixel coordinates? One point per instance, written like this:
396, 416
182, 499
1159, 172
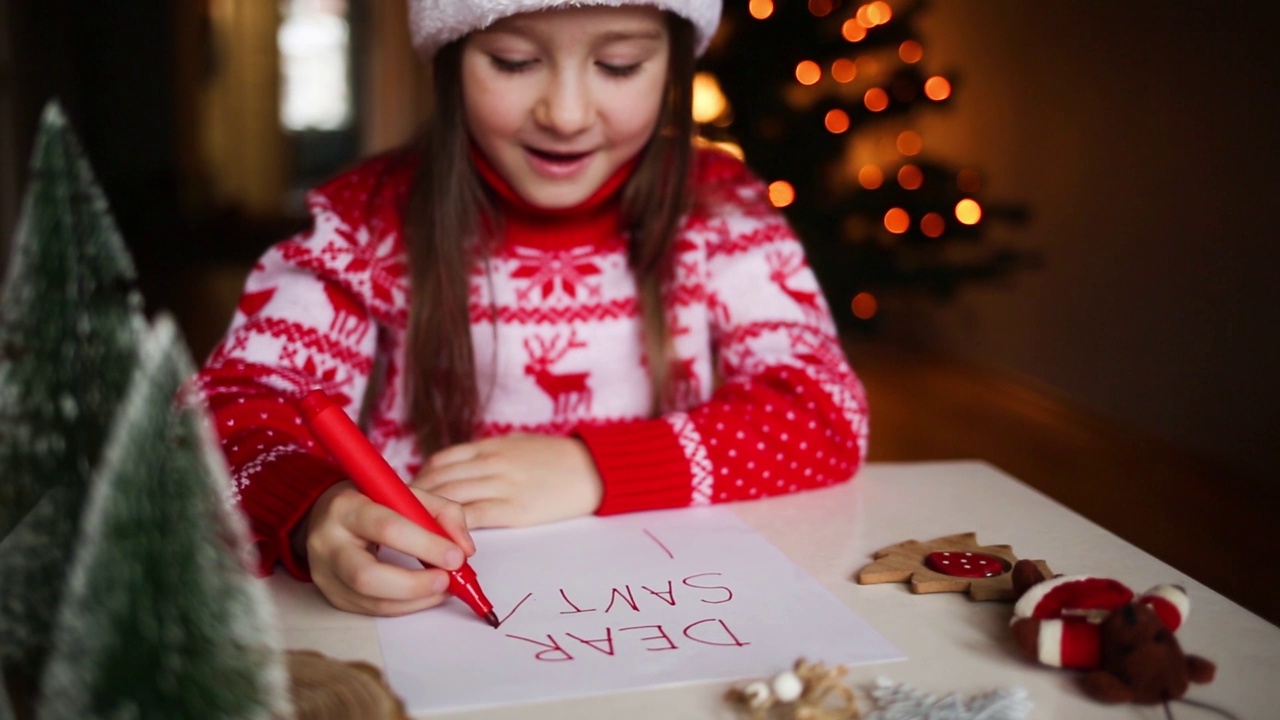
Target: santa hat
435, 23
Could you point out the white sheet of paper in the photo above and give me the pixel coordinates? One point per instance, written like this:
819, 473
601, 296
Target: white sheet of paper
596, 605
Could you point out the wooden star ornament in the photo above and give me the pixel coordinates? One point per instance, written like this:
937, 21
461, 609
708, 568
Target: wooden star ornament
953, 563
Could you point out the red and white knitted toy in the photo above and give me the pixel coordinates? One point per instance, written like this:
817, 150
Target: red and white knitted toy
1099, 624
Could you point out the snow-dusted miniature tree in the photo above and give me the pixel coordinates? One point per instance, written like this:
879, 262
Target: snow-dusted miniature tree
70, 322
162, 617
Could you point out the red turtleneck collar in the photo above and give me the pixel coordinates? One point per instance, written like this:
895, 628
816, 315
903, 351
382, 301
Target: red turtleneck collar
595, 220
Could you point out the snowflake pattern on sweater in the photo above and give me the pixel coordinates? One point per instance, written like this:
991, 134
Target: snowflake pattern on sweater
766, 402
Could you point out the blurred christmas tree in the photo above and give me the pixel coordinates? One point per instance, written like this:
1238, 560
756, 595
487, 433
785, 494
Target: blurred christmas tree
819, 97
70, 323
162, 617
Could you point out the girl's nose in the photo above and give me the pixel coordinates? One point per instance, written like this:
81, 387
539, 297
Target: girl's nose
565, 107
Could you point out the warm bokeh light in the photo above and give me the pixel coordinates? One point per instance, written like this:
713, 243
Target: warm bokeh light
968, 211
874, 13
937, 88
910, 177
870, 177
910, 51
760, 9
933, 225
864, 306
876, 99
844, 70
897, 221
808, 72
732, 148
837, 121
821, 8
781, 193
853, 31
968, 180
709, 102
880, 12
910, 143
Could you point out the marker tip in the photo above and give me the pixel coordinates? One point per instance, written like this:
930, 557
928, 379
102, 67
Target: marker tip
492, 617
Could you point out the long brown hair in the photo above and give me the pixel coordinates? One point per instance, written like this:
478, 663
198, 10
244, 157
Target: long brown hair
449, 209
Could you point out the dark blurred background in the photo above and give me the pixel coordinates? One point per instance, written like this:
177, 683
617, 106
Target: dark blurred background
1118, 351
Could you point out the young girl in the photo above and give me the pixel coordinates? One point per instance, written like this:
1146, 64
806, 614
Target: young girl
555, 305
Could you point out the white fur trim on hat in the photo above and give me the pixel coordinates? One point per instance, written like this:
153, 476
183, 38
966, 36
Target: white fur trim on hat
435, 23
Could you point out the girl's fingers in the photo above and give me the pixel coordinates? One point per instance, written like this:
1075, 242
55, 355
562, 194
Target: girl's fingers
363, 584
451, 517
477, 467
465, 492
491, 512
378, 524
454, 454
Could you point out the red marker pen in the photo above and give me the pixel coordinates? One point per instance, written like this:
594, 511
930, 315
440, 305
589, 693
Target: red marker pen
373, 475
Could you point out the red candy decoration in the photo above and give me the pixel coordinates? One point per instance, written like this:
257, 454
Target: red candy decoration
966, 564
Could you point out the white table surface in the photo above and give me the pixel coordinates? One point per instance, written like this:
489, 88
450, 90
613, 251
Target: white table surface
953, 644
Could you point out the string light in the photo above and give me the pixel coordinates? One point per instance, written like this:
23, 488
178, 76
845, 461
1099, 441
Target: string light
821, 8
968, 211
808, 72
933, 225
837, 121
876, 99
709, 102
897, 221
870, 177
760, 9
937, 88
910, 51
853, 31
910, 177
781, 193
880, 12
910, 143
864, 306
844, 70
732, 148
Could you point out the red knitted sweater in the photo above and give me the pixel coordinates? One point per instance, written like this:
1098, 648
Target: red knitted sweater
766, 402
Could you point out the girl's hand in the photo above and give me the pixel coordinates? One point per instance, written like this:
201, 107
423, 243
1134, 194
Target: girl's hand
343, 532
516, 479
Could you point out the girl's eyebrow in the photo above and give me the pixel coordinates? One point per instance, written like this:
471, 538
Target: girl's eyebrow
616, 35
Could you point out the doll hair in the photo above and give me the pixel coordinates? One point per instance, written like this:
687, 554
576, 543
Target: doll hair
452, 221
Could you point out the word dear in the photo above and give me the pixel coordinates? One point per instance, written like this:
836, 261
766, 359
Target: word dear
654, 637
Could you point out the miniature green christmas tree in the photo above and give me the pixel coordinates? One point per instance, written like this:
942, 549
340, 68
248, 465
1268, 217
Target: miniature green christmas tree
162, 617
70, 323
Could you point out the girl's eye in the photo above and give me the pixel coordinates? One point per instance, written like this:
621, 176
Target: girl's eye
619, 70
511, 66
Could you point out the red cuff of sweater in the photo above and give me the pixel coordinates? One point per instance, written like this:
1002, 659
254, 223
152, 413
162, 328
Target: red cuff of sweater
286, 481
641, 465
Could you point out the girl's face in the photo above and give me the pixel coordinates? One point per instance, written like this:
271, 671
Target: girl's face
559, 100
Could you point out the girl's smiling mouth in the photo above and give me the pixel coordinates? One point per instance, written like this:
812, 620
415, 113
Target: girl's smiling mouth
557, 164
